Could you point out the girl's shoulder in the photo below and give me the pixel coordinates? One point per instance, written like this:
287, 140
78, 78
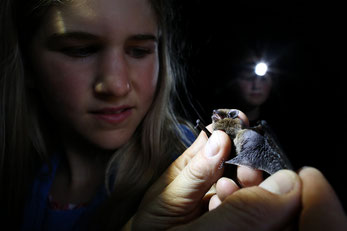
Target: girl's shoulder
188, 134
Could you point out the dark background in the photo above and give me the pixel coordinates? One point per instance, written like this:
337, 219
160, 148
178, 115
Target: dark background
306, 45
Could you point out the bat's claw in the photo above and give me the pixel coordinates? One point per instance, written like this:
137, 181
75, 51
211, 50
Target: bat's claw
197, 123
202, 127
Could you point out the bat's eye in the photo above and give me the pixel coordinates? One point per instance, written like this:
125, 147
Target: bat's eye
233, 113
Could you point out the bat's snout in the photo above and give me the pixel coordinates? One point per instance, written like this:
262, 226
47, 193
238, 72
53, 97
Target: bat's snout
224, 113
216, 116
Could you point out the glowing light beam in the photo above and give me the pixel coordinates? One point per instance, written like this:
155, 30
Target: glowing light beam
261, 69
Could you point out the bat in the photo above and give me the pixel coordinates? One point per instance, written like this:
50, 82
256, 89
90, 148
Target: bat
255, 147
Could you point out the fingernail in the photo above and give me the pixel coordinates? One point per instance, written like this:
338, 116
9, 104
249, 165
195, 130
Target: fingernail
280, 183
212, 145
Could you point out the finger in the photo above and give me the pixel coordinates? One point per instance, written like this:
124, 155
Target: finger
244, 118
185, 158
225, 187
269, 207
206, 167
180, 163
322, 209
207, 198
197, 145
249, 177
211, 191
182, 199
214, 202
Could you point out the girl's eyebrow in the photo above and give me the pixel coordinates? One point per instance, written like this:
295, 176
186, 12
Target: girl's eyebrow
143, 37
72, 35
84, 36
54, 39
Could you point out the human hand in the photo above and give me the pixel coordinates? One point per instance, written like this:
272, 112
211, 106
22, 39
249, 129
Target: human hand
176, 200
273, 205
255, 208
178, 196
321, 209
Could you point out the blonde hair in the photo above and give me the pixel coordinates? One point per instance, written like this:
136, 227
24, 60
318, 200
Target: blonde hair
23, 144
17, 131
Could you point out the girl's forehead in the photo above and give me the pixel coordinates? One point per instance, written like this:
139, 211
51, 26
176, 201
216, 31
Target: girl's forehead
102, 16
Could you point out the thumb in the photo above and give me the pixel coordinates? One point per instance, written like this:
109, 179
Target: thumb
203, 170
321, 208
272, 206
189, 178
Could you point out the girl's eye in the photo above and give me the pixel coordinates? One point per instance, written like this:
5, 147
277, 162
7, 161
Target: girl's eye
139, 52
79, 52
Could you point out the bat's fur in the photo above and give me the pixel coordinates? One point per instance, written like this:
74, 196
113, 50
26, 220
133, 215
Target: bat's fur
256, 147
221, 121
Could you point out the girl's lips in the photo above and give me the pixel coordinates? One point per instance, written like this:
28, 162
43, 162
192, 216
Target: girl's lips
113, 115
256, 94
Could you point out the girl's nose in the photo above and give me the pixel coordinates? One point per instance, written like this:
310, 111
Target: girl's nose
114, 78
256, 84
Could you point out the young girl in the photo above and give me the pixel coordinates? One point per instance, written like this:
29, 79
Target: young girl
86, 108
87, 125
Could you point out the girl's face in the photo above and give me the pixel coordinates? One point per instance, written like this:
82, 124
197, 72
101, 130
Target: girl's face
97, 68
254, 90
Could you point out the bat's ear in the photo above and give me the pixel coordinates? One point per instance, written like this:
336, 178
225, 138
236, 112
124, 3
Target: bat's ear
261, 123
259, 128
233, 113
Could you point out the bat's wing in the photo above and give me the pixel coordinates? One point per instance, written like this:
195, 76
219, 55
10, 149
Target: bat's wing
258, 148
271, 138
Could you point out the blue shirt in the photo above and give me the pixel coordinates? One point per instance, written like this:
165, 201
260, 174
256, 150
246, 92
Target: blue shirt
39, 216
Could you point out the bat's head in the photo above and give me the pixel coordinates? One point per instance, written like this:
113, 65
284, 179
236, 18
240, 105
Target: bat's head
227, 120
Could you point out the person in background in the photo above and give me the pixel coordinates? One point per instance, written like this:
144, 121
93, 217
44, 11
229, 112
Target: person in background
253, 91
88, 132
253, 86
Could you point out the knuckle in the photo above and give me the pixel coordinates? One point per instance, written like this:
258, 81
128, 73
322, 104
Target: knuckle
251, 209
195, 172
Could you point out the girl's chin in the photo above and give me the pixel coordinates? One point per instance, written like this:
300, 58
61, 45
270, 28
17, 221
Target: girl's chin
112, 144
256, 102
